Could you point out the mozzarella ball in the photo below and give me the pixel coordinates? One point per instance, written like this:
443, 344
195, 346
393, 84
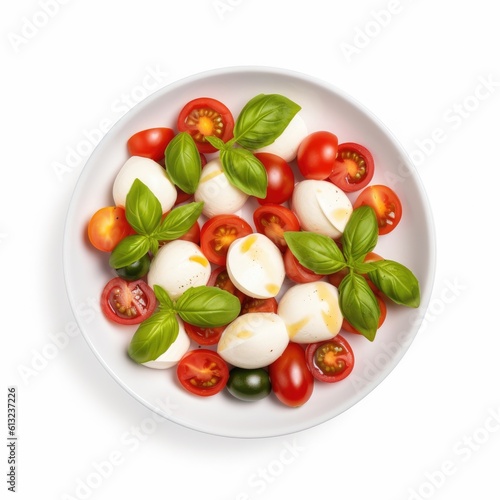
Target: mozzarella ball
311, 312
321, 207
255, 266
152, 174
287, 144
174, 353
217, 193
177, 266
253, 340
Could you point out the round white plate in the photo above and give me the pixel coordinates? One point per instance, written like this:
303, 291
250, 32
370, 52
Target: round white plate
411, 243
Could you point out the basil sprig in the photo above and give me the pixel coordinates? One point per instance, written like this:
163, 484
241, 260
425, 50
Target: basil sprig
261, 121
203, 306
357, 301
143, 212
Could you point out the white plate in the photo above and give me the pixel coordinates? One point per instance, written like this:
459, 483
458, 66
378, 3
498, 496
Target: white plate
412, 244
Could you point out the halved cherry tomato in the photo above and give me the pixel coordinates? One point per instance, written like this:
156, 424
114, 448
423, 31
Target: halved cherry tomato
203, 336
316, 155
273, 221
204, 117
291, 380
150, 143
220, 278
296, 271
354, 167
330, 360
383, 314
218, 233
386, 204
251, 305
127, 302
107, 227
202, 372
280, 179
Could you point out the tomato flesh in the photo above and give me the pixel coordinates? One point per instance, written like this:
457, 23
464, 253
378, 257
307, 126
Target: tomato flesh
220, 279
251, 305
202, 372
331, 360
273, 220
354, 167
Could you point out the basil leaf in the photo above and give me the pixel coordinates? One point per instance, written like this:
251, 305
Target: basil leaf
317, 252
163, 297
359, 305
153, 337
397, 282
142, 208
129, 250
208, 306
216, 142
178, 221
244, 171
360, 234
183, 162
263, 119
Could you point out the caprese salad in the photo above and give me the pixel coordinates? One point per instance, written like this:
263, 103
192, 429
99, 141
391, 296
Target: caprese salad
261, 304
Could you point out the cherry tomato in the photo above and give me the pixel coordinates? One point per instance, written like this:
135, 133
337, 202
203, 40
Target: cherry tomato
280, 179
250, 305
107, 227
291, 380
386, 204
249, 384
354, 167
218, 233
220, 279
193, 234
127, 302
316, 155
273, 221
383, 314
136, 270
202, 372
150, 143
203, 336
296, 271
204, 117
330, 360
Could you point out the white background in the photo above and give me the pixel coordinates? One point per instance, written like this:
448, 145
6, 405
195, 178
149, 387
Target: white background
432, 428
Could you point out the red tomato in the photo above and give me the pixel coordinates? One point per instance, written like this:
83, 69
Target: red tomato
251, 305
291, 380
204, 117
280, 179
107, 227
354, 167
220, 279
316, 155
150, 143
296, 271
383, 314
330, 360
273, 221
193, 234
386, 204
182, 196
127, 302
202, 372
218, 233
203, 336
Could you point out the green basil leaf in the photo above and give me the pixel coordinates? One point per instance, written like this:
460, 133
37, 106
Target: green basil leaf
397, 282
359, 305
178, 221
216, 142
183, 162
153, 337
263, 119
142, 208
163, 297
129, 250
360, 234
208, 306
244, 171
316, 252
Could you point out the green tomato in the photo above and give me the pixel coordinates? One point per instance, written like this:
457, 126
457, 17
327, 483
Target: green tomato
249, 384
136, 270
